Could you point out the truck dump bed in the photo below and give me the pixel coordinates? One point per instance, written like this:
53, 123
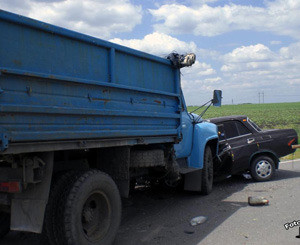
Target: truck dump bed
62, 90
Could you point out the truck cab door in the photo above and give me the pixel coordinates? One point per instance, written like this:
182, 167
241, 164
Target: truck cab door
184, 147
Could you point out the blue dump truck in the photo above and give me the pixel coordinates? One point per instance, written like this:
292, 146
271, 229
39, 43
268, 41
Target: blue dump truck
81, 120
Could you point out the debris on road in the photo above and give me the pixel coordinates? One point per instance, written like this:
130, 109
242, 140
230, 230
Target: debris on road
198, 220
247, 176
189, 232
257, 201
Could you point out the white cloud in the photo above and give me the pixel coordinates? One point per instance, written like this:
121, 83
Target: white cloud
258, 52
158, 43
244, 72
279, 16
16, 6
199, 69
99, 18
261, 68
206, 70
291, 52
275, 42
200, 2
214, 80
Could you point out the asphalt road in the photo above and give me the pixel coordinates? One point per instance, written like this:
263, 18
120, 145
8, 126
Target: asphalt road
158, 217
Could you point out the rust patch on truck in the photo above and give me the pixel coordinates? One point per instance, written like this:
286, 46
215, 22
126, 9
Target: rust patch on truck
17, 62
103, 100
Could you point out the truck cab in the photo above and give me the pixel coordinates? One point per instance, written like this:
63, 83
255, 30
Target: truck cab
197, 148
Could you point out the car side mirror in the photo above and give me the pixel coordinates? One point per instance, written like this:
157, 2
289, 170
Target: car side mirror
217, 98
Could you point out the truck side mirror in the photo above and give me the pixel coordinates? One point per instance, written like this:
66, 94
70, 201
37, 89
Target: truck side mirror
217, 98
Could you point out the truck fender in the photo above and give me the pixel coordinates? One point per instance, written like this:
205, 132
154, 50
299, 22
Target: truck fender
28, 207
204, 134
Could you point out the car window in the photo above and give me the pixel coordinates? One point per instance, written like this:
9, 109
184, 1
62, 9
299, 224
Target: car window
230, 129
254, 125
222, 135
242, 128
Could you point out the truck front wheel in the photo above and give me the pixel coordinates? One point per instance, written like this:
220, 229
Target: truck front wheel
207, 172
4, 223
93, 210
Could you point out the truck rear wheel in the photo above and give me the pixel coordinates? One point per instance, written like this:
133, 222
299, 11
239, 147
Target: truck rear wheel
53, 221
207, 172
4, 223
93, 210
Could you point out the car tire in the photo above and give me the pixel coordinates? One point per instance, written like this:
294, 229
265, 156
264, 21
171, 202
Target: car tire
262, 168
4, 223
93, 210
207, 172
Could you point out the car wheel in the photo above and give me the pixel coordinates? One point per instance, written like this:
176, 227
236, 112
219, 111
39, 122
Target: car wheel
262, 168
207, 172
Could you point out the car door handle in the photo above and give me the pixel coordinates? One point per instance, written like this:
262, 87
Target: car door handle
249, 141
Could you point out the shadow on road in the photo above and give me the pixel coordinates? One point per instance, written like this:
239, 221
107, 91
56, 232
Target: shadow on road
286, 174
160, 217
163, 218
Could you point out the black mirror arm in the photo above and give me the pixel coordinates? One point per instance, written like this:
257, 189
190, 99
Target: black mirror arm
202, 113
202, 106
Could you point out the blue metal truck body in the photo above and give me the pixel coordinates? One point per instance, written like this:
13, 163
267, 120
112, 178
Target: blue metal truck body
61, 85
81, 121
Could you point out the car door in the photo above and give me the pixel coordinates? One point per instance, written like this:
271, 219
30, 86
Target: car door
242, 142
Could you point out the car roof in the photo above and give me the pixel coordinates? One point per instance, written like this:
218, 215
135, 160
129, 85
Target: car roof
227, 118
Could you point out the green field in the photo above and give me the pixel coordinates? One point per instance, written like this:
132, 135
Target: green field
267, 116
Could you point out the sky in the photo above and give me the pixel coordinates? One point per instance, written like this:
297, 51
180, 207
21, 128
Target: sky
250, 49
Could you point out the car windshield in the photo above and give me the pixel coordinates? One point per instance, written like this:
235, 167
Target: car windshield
254, 125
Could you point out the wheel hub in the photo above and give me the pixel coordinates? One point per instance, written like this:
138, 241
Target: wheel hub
95, 216
263, 169
88, 215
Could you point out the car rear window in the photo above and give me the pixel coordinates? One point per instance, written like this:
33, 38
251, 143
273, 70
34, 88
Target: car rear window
254, 125
242, 129
232, 129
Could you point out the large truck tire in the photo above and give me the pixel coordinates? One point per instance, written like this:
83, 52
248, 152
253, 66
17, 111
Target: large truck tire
4, 223
207, 172
92, 212
53, 221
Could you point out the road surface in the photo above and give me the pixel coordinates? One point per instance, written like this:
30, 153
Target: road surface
163, 218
